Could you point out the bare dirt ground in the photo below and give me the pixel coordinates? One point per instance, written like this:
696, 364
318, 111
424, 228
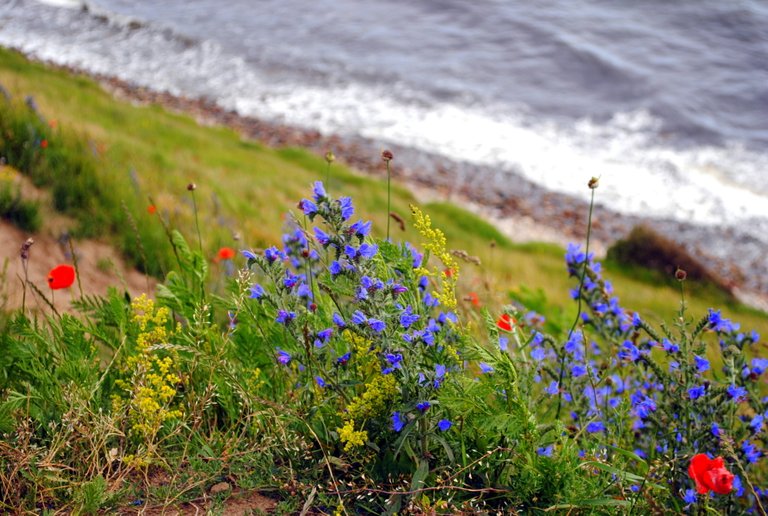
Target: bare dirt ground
99, 265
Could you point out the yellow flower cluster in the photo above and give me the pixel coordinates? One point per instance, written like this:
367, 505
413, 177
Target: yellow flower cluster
435, 243
378, 394
152, 386
350, 437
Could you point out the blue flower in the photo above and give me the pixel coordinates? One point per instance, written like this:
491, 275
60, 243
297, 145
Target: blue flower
304, 291
250, 255
416, 256
430, 301
291, 279
347, 210
578, 370
397, 422
485, 368
257, 291
343, 359
367, 250
338, 320
376, 325
423, 283
737, 393
320, 382
322, 237
538, 354
325, 334
738, 486
696, 392
669, 347
308, 207
360, 229
283, 357
595, 426
423, 406
573, 254
335, 268
407, 318
545, 451
439, 370
759, 365
689, 496
284, 317
319, 191
273, 254
397, 288
444, 425
756, 423
751, 452
359, 318
715, 429
503, 343
702, 364
629, 352
553, 388
720, 324
636, 320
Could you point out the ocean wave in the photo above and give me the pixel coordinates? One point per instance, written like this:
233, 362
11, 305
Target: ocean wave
642, 171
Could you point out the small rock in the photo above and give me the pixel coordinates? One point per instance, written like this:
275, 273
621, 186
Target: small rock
220, 488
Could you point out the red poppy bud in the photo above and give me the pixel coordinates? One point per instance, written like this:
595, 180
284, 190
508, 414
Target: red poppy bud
474, 299
44, 144
710, 475
506, 322
61, 276
151, 209
226, 253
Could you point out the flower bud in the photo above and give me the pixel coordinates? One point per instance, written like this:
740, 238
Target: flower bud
191, 187
593, 183
680, 274
387, 155
329, 157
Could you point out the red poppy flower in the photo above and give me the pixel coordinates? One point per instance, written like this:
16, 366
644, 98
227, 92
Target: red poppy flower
61, 276
151, 209
52, 124
710, 475
44, 144
226, 253
506, 322
473, 298
448, 273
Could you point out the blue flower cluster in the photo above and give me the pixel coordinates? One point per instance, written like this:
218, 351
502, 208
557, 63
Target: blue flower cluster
334, 272
615, 375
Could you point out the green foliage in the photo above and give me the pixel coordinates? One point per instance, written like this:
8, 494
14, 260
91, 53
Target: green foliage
24, 214
646, 248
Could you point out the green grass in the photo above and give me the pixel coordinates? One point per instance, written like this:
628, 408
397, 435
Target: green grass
245, 188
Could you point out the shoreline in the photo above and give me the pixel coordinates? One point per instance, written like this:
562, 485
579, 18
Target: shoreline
524, 213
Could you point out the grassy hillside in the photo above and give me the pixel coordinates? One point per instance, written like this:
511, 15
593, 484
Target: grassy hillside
144, 152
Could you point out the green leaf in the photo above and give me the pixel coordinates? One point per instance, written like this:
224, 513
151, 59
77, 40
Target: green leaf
417, 481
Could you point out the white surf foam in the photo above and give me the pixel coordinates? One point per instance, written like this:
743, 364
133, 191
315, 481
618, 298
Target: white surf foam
640, 173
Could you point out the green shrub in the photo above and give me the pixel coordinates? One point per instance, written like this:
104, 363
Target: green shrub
647, 248
23, 214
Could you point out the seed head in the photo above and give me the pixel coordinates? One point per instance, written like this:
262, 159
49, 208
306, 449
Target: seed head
593, 183
387, 155
329, 157
25, 248
191, 187
680, 274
